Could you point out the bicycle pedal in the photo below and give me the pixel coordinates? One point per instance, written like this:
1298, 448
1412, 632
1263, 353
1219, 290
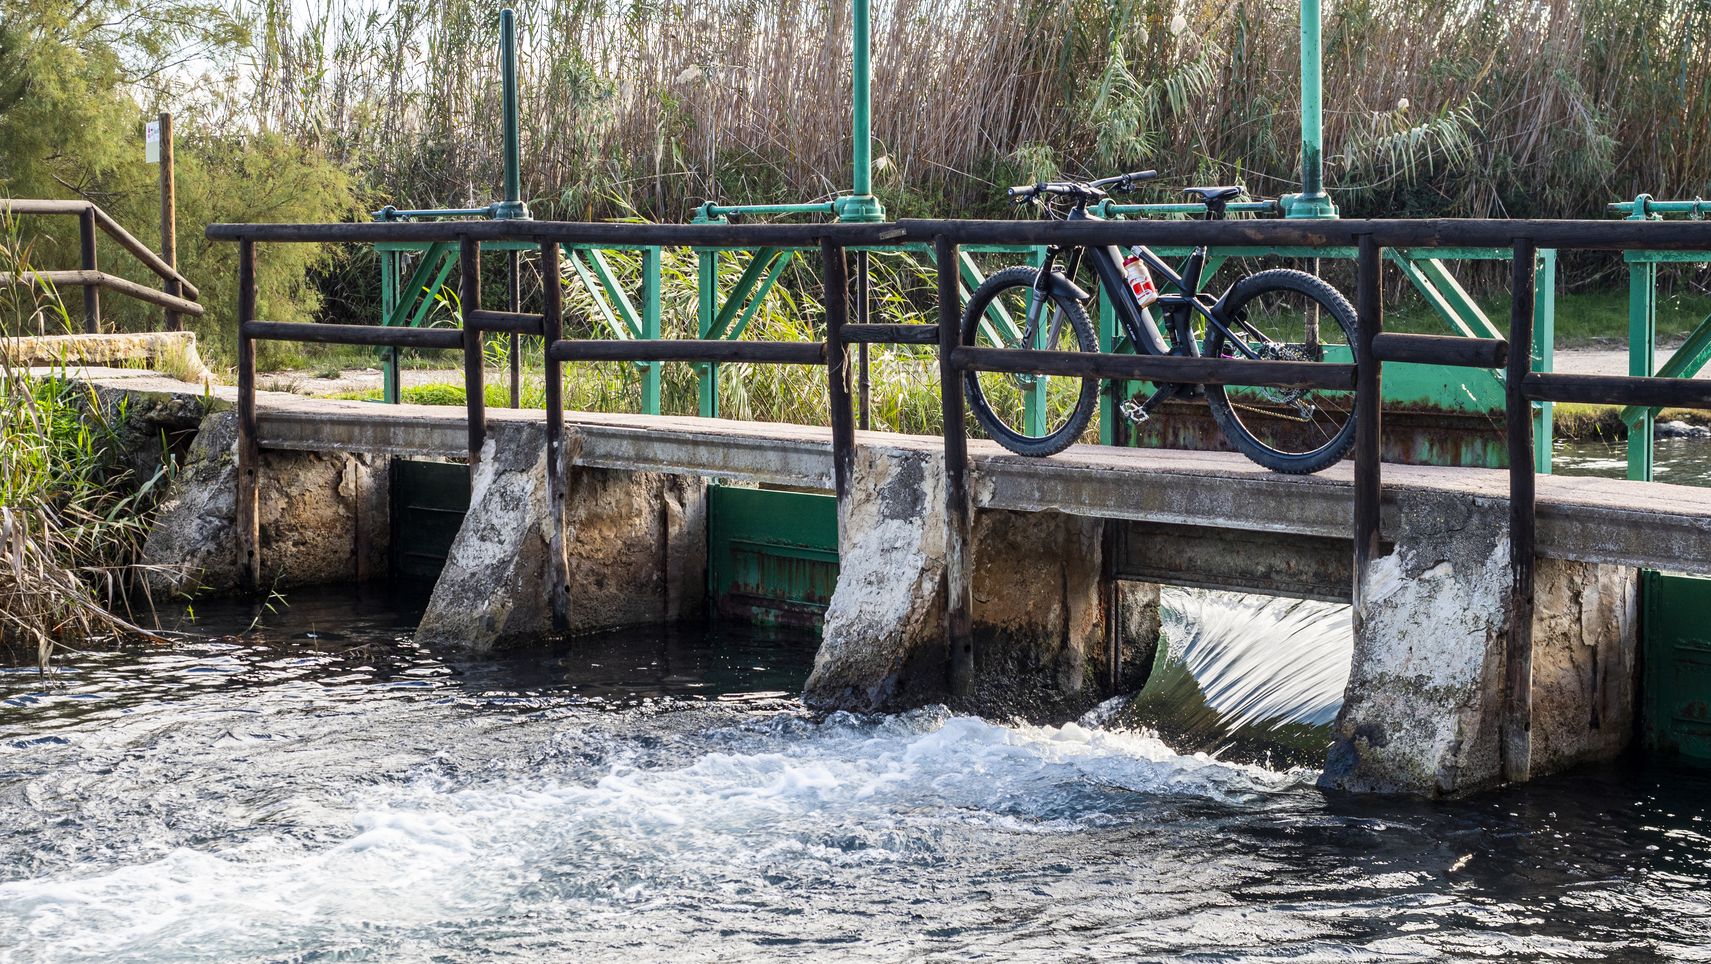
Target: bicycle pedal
1134, 411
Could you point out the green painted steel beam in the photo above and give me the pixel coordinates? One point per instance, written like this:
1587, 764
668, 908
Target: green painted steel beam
615, 292
651, 298
779, 261
614, 323
706, 308
1435, 298
389, 378
1457, 296
1689, 360
1667, 257
1544, 356
1642, 340
434, 258
753, 272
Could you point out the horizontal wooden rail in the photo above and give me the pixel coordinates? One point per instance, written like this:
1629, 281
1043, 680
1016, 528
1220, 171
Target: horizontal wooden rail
116, 231
447, 338
1441, 350
876, 334
1166, 369
606, 235
519, 322
689, 350
1619, 390
102, 279
1390, 233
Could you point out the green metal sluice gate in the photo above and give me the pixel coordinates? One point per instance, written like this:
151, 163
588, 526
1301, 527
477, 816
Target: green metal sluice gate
1675, 654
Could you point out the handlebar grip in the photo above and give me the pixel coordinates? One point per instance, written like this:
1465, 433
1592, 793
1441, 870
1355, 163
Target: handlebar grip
1025, 190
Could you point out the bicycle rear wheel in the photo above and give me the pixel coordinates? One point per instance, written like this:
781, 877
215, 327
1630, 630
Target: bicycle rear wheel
1028, 414
1286, 315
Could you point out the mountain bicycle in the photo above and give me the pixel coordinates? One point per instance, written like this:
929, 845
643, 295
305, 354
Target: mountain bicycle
1276, 314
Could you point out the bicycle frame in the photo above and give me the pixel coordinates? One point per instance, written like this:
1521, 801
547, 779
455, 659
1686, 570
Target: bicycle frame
1143, 332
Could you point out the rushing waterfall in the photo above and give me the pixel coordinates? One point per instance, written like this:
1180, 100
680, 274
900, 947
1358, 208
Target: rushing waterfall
1248, 677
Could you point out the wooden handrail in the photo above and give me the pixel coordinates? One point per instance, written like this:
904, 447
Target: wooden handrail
113, 230
102, 279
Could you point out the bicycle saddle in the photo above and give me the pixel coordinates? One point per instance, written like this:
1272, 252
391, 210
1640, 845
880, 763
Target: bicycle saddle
1212, 195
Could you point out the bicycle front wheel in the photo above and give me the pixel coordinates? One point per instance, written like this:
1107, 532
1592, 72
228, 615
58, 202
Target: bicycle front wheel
1286, 315
1028, 414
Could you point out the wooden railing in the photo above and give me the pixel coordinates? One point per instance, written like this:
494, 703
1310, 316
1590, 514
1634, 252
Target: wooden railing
1373, 347
177, 295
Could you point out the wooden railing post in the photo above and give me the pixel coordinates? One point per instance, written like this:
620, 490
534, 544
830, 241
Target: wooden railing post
169, 219
1369, 418
552, 329
959, 520
835, 271
91, 292
1517, 716
249, 450
469, 300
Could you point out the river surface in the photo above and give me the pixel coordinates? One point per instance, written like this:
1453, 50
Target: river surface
319, 788
1682, 461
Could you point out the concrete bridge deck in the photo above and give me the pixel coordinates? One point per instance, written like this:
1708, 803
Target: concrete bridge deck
1584, 519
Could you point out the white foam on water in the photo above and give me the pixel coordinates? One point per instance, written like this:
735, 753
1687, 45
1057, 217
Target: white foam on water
789, 799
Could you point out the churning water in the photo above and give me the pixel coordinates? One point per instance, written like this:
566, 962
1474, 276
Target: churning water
320, 788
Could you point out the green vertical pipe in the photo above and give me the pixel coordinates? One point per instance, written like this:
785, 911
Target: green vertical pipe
707, 310
650, 326
1642, 331
1312, 202
1312, 103
1544, 354
513, 203
861, 69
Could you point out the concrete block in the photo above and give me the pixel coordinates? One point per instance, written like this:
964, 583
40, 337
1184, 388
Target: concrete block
1422, 710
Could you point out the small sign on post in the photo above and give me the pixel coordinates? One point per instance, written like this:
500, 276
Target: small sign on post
151, 142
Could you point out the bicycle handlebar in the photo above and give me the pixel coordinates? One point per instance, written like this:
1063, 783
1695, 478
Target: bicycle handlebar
1090, 189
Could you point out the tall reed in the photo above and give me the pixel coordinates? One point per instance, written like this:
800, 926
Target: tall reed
1467, 108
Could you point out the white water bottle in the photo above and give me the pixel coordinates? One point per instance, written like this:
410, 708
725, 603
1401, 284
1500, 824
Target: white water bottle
1139, 278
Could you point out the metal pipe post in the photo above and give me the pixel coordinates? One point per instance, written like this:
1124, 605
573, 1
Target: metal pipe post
837, 300
959, 520
1517, 715
91, 292
1369, 416
469, 300
861, 205
512, 206
1312, 202
861, 75
552, 329
249, 452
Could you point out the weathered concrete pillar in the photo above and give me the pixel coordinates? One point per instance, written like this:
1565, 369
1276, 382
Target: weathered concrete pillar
325, 518
1040, 610
635, 541
1421, 713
